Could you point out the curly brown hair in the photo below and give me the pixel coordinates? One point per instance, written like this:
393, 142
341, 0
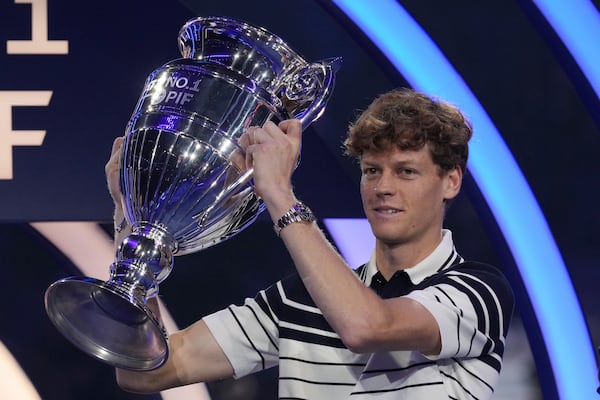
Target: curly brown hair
408, 119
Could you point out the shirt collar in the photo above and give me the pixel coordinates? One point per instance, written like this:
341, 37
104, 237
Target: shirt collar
426, 267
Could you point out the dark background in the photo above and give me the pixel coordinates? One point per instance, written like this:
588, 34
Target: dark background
500, 49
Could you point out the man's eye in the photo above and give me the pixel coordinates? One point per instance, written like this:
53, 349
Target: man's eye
408, 172
370, 171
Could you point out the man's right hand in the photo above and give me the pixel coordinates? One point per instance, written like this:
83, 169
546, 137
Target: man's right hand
111, 169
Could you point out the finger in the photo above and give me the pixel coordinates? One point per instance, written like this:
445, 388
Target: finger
244, 140
271, 129
262, 135
251, 134
292, 127
112, 160
256, 136
238, 157
117, 145
249, 156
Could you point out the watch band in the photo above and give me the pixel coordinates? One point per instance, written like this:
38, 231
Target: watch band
299, 212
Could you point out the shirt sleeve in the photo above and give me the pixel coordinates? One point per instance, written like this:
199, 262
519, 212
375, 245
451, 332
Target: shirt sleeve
472, 304
247, 335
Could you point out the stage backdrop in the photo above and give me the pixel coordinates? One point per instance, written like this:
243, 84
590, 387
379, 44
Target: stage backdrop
71, 73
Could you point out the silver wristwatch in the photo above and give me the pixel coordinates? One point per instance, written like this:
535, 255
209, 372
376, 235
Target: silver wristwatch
297, 213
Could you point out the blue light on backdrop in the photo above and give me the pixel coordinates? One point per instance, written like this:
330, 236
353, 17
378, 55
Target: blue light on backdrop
577, 23
503, 186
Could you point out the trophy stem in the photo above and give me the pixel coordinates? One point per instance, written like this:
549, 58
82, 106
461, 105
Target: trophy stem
143, 260
110, 320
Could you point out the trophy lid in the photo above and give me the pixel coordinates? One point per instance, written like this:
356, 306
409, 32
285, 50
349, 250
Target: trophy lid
249, 50
299, 89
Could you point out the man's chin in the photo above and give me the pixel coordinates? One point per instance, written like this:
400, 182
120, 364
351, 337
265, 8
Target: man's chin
389, 238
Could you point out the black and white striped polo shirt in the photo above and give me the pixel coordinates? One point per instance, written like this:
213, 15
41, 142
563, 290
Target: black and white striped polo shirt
471, 302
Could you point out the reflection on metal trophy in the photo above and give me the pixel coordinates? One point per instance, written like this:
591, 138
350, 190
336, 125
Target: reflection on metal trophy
183, 188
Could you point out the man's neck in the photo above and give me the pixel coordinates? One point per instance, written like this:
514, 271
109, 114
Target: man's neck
393, 257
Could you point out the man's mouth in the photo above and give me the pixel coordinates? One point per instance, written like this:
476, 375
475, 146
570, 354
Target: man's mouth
387, 210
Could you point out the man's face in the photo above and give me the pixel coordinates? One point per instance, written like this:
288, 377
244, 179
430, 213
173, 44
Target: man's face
403, 195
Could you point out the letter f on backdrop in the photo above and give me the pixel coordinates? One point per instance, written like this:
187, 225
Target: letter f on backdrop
10, 137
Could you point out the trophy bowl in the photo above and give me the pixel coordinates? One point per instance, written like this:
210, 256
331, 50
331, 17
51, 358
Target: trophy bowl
184, 186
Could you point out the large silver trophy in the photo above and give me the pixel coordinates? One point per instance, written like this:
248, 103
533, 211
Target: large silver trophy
183, 187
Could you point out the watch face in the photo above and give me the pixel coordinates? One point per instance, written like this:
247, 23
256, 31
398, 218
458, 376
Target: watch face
304, 212
297, 213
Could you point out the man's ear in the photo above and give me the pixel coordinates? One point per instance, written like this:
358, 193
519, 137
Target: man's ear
453, 182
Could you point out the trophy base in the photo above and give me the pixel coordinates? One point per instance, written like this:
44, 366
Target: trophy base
106, 323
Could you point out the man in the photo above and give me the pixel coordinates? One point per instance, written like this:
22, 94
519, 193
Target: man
415, 322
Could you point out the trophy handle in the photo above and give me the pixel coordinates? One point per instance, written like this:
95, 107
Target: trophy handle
313, 84
224, 196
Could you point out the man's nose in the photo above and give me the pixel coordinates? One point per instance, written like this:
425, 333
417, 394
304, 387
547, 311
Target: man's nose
384, 185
